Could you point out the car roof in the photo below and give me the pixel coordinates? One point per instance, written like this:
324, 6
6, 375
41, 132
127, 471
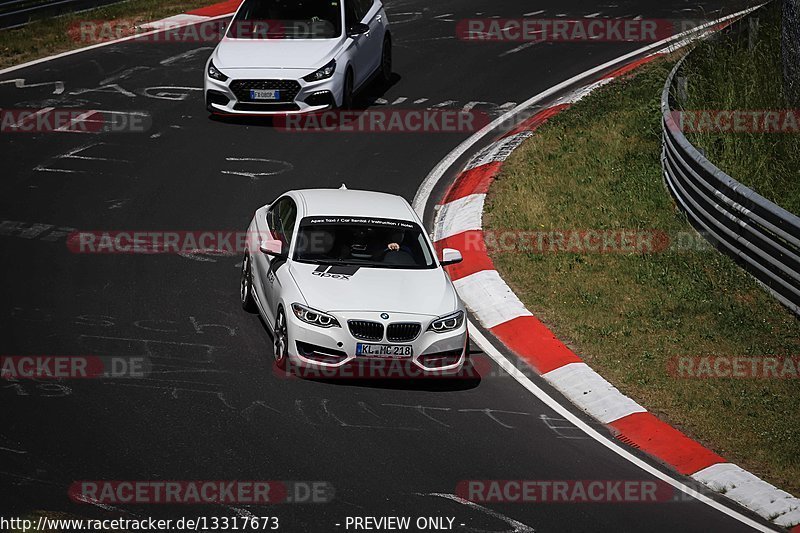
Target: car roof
346, 202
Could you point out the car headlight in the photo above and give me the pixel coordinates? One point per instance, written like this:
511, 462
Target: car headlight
314, 317
214, 73
447, 323
324, 73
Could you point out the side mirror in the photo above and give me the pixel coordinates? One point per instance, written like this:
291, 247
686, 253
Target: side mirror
450, 257
272, 248
359, 28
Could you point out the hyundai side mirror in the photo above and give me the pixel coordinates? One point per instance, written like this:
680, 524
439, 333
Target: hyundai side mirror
359, 28
450, 257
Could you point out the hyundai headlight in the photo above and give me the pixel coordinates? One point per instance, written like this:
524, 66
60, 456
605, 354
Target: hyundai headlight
322, 74
214, 73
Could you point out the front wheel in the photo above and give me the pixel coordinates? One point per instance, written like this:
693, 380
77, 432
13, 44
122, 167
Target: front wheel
347, 90
280, 338
246, 285
386, 61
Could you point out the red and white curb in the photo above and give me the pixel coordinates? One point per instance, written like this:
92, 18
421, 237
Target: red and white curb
196, 15
459, 224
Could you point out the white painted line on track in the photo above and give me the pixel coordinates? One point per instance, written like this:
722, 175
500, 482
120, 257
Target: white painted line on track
489, 349
519, 527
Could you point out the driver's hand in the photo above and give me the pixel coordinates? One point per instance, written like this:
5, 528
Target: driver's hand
393, 246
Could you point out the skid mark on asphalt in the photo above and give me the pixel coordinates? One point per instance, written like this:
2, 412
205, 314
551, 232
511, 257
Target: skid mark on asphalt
208, 255
24, 480
492, 108
39, 389
263, 168
117, 203
34, 230
185, 56
123, 75
519, 48
6, 446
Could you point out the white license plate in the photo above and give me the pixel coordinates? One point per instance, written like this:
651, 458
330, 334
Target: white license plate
258, 94
383, 350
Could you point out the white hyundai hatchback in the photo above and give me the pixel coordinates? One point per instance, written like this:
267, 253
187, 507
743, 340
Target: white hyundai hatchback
297, 56
343, 276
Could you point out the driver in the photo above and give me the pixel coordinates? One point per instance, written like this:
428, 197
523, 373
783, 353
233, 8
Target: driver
396, 240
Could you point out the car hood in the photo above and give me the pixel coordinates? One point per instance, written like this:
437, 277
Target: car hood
274, 53
424, 292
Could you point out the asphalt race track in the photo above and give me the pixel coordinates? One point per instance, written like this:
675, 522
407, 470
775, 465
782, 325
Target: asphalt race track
214, 409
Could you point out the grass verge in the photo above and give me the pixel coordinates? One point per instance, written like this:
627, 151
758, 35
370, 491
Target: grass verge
50, 36
597, 167
727, 74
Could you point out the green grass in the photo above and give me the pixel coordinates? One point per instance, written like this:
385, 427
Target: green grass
50, 36
597, 166
725, 74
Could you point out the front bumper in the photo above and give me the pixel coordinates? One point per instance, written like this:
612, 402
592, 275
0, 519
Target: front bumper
327, 349
298, 96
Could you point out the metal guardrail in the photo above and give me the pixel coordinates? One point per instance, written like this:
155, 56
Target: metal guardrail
760, 235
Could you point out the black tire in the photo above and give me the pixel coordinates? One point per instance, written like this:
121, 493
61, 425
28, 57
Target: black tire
246, 285
347, 90
385, 75
280, 339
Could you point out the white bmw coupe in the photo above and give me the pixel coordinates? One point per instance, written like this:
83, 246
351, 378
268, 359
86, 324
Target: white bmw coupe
297, 56
343, 276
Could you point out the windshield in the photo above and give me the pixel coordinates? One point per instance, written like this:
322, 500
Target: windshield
367, 242
287, 19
